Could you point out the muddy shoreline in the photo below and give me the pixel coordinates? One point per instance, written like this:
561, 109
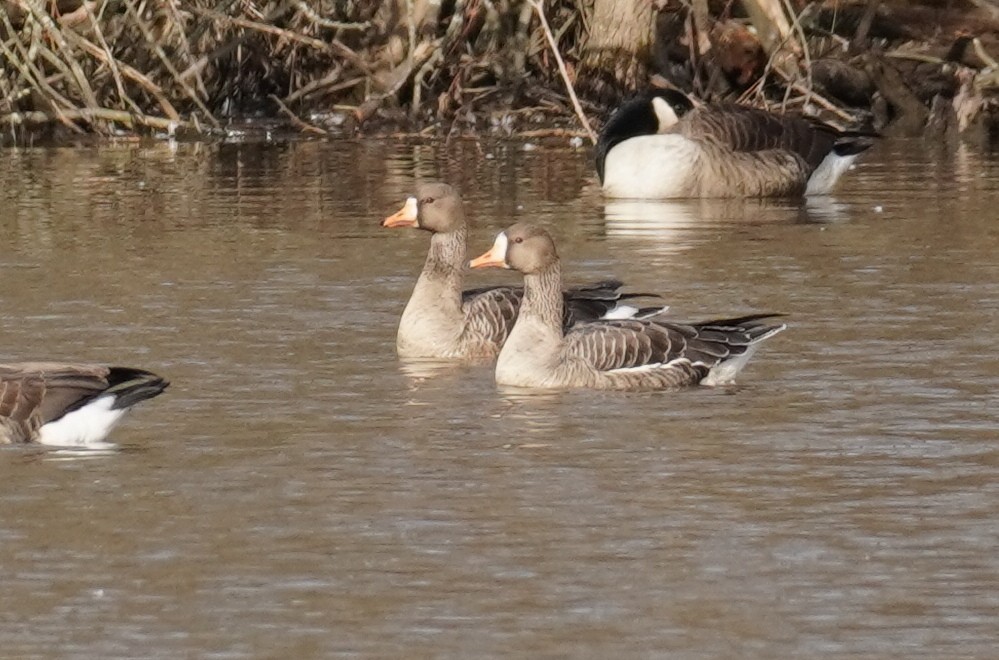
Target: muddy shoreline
113, 68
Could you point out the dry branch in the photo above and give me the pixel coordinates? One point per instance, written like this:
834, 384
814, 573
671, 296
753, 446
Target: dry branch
539, 9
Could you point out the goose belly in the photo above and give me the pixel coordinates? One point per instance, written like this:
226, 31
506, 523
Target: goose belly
651, 166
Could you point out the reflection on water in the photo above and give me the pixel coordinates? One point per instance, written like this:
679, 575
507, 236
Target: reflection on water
673, 224
297, 477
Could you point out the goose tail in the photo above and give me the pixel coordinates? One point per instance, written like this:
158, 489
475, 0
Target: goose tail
851, 145
745, 334
130, 386
90, 420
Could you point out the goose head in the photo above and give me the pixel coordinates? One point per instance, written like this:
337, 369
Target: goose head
523, 247
650, 113
436, 208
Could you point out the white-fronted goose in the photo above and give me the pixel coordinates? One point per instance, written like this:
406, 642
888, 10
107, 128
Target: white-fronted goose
659, 145
632, 354
68, 405
442, 321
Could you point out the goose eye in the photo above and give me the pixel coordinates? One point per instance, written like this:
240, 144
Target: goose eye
519, 239
427, 200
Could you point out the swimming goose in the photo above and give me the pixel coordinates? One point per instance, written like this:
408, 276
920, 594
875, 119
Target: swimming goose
631, 354
442, 321
659, 145
68, 404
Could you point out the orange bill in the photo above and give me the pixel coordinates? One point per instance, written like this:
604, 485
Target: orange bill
404, 217
494, 258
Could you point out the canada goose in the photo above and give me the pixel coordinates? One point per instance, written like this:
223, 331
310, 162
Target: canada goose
659, 145
631, 354
68, 405
442, 321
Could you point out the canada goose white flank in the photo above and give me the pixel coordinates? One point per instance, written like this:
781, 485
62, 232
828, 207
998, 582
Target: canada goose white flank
659, 145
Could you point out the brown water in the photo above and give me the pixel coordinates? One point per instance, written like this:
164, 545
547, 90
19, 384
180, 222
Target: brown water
300, 493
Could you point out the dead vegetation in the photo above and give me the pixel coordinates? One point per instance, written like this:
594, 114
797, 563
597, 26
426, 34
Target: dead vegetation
73, 67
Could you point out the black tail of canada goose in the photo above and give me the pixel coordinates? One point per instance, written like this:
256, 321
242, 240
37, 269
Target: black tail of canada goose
68, 404
659, 145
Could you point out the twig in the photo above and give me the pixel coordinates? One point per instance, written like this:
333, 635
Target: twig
916, 57
988, 6
295, 120
985, 57
796, 25
35, 78
191, 93
185, 46
109, 58
436, 57
562, 70
229, 46
56, 33
262, 27
326, 23
90, 114
130, 73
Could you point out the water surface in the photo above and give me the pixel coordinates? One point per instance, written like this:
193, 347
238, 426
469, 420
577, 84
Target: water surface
298, 492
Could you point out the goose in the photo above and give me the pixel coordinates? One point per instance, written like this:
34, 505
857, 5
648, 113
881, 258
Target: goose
659, 146
69, 405
652, 353
441, 321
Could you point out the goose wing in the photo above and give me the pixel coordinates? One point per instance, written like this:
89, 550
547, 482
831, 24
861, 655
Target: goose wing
655, 342
32, 394
595, 301
742, 128
491, 311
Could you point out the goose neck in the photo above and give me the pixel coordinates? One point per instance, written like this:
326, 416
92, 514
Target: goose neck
543, 296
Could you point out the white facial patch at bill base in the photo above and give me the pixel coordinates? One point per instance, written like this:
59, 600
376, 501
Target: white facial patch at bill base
499, 248
410, 209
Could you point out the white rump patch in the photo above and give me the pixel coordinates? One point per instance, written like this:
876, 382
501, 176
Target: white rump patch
622, 312
86, 426
828, 173
725, 373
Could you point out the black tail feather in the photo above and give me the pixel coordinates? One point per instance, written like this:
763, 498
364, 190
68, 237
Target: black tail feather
130, 386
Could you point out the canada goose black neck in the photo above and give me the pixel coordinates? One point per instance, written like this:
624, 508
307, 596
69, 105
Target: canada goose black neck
639, 116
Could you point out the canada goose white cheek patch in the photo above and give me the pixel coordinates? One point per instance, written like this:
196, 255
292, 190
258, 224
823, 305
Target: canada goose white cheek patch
665, 114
